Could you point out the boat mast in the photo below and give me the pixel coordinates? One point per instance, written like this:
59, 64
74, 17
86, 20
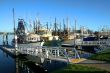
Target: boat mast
15, 38
14, 21
75, 33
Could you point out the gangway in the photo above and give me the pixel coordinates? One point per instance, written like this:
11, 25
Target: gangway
56, 53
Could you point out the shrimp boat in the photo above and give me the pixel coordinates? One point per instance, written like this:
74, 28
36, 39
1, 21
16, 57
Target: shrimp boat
24, 37
37, 37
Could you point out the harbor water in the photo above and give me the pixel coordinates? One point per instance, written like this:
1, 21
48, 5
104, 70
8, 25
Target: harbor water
9, 64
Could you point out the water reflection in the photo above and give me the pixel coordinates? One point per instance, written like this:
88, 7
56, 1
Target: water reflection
52, 65
41, 66
7, 64
28, 67
12, 65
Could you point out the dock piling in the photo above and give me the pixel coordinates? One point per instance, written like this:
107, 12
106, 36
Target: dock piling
3, 40
6, 39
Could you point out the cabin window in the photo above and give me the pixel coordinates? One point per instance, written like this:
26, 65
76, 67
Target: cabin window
37, 39
28, 38
34, 38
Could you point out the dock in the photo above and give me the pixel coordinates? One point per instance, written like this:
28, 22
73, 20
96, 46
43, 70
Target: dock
9, 51
50, 53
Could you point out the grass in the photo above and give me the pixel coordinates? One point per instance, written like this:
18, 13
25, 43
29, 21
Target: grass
73, 68
103, 56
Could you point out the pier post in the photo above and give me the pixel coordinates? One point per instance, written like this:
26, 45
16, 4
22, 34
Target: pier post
65, 53
58, 52
6, 39
3, 39
28, 70
55, 53
47, 54
42, 60
36, 52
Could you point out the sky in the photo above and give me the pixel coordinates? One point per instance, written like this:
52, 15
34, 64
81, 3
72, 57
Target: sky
92, 14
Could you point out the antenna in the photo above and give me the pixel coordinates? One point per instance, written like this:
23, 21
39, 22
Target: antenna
75, 33
67, 27
47, 25
63, 24
60, 26
50, 24
60, 30
67, 24
64, 27
37, 19
34, 26
75, 27
30, 25
55, 26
